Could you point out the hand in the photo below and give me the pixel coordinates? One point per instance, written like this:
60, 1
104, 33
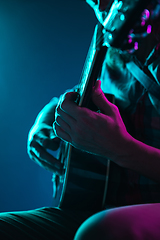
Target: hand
102, 134
99, 7
41, 137
100, 4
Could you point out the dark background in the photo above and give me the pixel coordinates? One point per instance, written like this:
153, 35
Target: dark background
43, 45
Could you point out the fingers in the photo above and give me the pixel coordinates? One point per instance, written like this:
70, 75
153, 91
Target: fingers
52, 144
61, 133
38, 132
43, 158
39, 141
97, 89
100, 100
45, 136
92, 3
60, 122
102, 4
69, 105
65, 117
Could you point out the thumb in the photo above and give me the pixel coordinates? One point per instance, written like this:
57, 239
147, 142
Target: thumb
100, 100
71, 96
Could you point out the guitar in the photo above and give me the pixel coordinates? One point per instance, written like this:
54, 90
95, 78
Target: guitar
85, 181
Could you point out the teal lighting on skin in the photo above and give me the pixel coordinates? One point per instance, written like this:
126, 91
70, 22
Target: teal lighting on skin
116, 5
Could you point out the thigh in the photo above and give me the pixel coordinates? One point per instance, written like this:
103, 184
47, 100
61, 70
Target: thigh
43, 223
137, 222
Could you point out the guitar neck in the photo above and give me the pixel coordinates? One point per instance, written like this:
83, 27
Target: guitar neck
119, 21
92, 67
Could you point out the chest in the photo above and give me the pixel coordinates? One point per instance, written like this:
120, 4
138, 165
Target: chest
144, 122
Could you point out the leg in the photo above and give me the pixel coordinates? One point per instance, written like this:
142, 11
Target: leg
43, 223
137, 222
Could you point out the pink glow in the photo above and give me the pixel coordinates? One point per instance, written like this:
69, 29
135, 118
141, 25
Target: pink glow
136, 46
149, 29
145, 17
130, 40
143, 23
145, 14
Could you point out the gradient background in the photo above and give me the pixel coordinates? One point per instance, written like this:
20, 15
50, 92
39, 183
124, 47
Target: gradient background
43, 45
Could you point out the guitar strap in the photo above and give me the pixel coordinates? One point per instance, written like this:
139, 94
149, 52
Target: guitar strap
149, 84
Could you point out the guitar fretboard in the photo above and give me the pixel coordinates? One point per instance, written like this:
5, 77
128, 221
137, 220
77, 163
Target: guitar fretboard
87, 68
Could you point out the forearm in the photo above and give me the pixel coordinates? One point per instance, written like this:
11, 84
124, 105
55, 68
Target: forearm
141, 158
46, 115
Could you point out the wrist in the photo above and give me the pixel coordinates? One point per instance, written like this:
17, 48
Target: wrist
126, 151
141, 158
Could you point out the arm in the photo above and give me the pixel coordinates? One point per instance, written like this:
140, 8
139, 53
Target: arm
41, 137
142, 158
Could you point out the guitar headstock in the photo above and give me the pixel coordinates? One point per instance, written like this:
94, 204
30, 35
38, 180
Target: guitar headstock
128, 21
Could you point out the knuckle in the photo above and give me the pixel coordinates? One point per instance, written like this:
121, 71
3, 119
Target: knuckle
58, 119
67, 94
31, 142
70, 96
29, 151
62, 106
58, 110
56, 129
40, 154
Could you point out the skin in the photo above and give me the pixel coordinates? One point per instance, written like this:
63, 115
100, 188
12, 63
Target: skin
41, 137
86, 129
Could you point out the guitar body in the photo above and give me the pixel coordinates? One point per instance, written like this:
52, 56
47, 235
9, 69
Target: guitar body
85, 182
